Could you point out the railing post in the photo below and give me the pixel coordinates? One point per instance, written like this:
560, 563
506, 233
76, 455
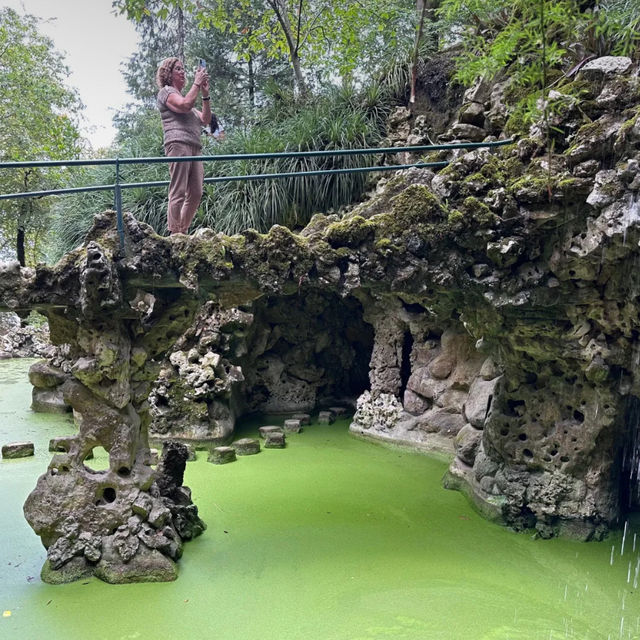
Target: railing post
118, 204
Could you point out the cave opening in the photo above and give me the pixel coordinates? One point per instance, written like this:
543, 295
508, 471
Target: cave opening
307, 350
630, 464
405, 363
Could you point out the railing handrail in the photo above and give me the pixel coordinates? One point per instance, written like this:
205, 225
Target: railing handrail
251, 156
254, 176
118, 162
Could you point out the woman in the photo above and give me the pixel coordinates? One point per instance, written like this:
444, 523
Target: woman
182, 125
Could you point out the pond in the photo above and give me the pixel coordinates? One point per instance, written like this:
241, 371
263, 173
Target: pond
332, 538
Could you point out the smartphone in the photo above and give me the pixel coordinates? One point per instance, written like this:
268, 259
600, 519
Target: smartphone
203, 63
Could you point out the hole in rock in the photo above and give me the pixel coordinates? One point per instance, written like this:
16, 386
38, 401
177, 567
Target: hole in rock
515, 408
564, 458
527, 453
99, 462
504, 431
522, 436
405, 364
124, 471
109, 494
578, 415
412, 307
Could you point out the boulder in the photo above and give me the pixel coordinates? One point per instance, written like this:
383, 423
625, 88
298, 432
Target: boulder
604, 66
477, 403
45, 376
466, 444
441, 421
48, 401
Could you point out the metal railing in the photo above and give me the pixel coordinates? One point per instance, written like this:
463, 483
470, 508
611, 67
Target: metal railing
118, 186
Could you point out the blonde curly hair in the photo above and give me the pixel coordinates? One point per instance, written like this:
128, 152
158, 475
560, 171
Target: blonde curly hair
165, 69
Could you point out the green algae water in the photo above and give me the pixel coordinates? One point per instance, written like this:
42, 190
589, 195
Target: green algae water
331, 538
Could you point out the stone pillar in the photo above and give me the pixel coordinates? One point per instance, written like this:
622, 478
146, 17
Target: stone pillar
125, 523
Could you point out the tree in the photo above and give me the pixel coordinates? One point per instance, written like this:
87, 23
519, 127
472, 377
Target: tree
321, 39
38, 121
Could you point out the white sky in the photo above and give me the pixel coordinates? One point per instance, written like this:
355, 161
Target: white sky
94, 42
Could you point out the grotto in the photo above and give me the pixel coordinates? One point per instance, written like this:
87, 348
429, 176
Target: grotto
489, 310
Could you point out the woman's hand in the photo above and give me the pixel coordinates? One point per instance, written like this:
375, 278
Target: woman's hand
204, 87
201, 77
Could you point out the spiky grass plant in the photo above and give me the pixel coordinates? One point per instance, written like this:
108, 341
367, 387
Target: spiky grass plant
343, 119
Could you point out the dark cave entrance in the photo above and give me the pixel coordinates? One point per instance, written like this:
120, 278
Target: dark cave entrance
405, 363
306, 351
630, 463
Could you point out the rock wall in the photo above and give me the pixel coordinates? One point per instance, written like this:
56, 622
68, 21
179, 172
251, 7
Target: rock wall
19, 340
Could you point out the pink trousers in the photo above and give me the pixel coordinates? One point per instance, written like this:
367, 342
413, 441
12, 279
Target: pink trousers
185, 188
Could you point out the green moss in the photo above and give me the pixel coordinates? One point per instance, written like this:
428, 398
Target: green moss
350, 232
478, 212
455, 217
416, 203
530, 187
517, 123
76, 569
384, 243
436, 156
626, 128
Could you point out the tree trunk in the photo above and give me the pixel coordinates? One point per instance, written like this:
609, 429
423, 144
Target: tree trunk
180, 34
252, 84
421, 8
20, 246
280, 10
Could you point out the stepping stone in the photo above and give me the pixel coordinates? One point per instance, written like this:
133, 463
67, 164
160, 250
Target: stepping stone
268, 429
293, 425
247, 446
222, 455
338, 411
274, 440
17, 450
326, 417
304, 418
